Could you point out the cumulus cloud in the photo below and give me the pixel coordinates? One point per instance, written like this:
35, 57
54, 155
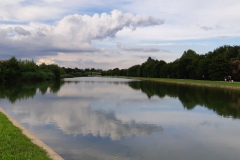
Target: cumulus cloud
74, 33
84, 29
46, 61
21, 31
51, 26
4, 32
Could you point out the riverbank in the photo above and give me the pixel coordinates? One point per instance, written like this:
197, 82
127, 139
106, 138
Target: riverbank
219, 84
18, 143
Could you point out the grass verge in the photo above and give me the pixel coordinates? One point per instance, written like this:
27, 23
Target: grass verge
16, 146
221, 84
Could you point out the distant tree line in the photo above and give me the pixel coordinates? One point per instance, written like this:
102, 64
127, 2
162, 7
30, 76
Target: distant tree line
223, 62
27, 70
76, 72
214, 65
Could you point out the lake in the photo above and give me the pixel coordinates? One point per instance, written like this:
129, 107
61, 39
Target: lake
96, 118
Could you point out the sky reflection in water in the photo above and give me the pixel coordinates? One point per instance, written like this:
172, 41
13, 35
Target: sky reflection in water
102, 118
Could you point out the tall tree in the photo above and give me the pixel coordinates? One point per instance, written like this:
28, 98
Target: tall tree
219, 68
187, 64
235, 69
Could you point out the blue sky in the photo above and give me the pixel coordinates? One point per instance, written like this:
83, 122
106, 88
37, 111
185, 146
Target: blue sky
103, 34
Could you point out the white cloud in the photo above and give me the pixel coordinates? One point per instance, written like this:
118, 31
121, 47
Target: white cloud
183, 18
86, 28
21, 31
49, 27
109, 58
76, 32
46, 61
26, 11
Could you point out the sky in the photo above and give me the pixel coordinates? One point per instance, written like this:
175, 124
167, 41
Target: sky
114, 34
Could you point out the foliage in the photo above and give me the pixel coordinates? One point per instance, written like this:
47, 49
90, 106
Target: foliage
235, 68
222, 62
214, 65
76, 72
17, 70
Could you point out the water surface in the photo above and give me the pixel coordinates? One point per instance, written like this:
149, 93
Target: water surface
120, 119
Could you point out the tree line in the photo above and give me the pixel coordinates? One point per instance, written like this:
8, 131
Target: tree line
77, 72
27, 70
13, 70
221, 63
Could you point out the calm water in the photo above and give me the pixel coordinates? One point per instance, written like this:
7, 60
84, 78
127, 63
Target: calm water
119, 119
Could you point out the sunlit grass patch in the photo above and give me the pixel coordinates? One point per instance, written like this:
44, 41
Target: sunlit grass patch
16, 146
234, 85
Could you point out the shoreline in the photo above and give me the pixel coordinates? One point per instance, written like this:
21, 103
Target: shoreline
52, 154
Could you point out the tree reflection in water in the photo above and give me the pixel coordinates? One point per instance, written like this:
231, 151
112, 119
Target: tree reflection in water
225, 102
18, 91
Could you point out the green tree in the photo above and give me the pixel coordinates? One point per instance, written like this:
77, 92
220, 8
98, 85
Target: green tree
219, 68
173, 69
202, 68
2, 72
157, 68
187, 65
147, 68
235, 69
55, 70
134, 71
115, 72
12, 71
123, 72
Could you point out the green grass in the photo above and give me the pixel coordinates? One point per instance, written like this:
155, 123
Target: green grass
16, 146
223, 84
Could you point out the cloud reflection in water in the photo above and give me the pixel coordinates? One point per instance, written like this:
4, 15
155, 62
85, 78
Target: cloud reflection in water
80, 118
100, 123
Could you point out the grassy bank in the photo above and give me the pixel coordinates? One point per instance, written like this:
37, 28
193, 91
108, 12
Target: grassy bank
221, 84
15, 145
